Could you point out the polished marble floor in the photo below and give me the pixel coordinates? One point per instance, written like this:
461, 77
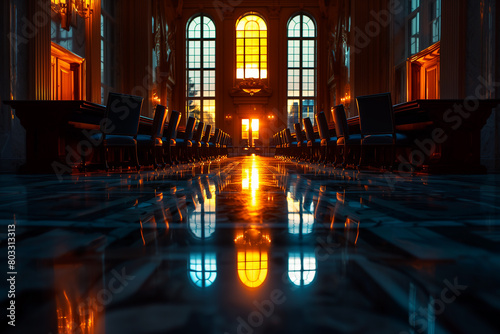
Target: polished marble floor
253, 245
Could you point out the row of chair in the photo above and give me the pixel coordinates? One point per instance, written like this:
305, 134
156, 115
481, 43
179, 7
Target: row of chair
163, 146
340, 147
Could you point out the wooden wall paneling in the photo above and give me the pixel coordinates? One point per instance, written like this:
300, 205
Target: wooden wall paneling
92, 63
39, 62
453, 40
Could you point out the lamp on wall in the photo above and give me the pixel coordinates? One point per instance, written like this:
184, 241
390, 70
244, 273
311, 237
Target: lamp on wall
83, 8
61, 8
65, 8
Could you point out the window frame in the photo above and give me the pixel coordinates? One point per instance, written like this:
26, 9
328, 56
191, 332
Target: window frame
301, 98
204, 100
260, 47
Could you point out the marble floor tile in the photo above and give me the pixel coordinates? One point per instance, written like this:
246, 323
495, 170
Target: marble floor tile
252, 245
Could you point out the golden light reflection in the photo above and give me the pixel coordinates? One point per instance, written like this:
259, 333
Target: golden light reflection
75, 313
250, 181
252, 257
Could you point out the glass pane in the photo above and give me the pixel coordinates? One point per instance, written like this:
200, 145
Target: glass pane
209, 83
414, 4
293, 83
209, 112
255, 129
208, 28
308, 81
194, 28
308, 53
293, 112
294, 27
193, 84
245, 127
308, 28
308, 110
194, 54
193, 108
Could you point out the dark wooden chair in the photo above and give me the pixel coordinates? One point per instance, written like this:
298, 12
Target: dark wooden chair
204, 141
184, 145
196, 148
169, 141
152, 144
328, 142
119, 128
301, 141
376, 121
313, 143
345, 141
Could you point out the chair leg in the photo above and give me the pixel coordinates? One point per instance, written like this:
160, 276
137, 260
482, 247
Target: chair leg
104, 157
135, 156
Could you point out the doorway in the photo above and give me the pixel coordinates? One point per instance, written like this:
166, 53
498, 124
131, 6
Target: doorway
250, 132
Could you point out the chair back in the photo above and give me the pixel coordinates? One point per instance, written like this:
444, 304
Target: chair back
122, 115
215, 137
341, 127
173, 124
206, 136
288, 136
375, 114
158, 121
298, 132
199, 132
309, 129
188, 135
322, 122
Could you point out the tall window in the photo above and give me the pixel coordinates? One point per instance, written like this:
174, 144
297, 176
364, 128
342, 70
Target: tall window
301, 69
108, 62
435, 18
200, 65
251, 47
424, 24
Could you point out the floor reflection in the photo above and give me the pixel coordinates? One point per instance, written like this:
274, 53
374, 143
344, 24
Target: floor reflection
302, 267
202, 248
202, 269
252, 247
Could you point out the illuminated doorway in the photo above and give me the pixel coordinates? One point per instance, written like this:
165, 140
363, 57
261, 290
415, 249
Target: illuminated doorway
250, 131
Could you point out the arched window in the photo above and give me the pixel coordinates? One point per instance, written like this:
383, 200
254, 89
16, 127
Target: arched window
251, 47
301, 268
200, 68
301, 69
203, 269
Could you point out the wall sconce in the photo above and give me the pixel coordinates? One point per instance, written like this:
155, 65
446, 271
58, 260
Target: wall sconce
156, 98
83, 8
65, 8
61, 8
345, 99
271, 117
228, 117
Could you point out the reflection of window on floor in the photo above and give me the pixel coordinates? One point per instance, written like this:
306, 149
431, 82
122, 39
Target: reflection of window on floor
203, 269
300, 219
202, 220
252, 267
301, 268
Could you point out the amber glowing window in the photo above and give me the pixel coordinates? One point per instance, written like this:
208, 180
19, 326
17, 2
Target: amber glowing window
200, 69
301, 69
251, 47
252, 267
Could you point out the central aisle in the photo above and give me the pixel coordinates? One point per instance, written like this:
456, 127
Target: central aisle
252, 245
